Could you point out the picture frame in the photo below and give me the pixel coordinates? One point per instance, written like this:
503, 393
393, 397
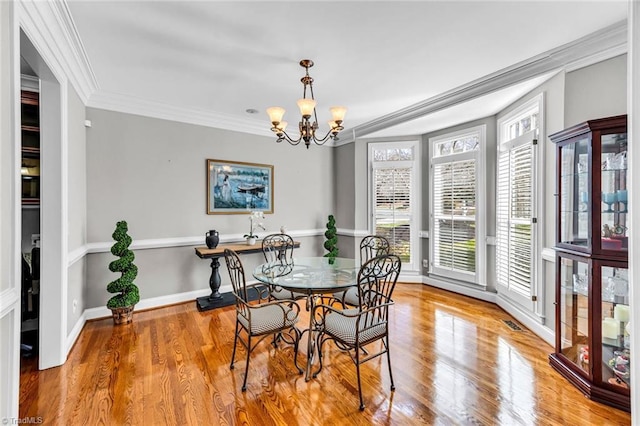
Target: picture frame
235, 187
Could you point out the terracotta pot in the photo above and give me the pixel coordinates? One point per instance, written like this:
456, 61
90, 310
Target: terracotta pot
122, 315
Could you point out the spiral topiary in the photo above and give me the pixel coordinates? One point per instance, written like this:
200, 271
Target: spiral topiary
128, 291
331, 244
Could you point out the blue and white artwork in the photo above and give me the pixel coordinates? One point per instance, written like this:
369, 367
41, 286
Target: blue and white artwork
236, 187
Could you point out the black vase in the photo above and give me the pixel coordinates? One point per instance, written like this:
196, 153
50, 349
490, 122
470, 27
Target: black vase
212, 238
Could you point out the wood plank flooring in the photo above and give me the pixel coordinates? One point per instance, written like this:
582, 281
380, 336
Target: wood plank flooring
454, 362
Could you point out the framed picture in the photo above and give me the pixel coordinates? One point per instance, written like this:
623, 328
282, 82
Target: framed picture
237, 187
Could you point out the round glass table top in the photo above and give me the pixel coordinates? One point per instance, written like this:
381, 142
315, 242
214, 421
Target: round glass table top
310, 274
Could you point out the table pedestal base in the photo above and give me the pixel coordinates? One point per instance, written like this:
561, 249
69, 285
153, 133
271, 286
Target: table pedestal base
206, 303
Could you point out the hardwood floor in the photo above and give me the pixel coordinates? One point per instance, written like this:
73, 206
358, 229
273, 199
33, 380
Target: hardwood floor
454, 362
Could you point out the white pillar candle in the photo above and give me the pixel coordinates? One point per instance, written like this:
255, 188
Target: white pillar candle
610, 328
621, 313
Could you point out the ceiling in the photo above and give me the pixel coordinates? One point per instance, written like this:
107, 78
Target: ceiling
220, 59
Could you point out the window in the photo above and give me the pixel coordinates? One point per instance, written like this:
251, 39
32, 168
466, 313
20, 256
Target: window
393, 195
516, 204
457, 200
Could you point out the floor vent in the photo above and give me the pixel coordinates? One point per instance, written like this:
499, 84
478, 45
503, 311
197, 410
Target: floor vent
512, 325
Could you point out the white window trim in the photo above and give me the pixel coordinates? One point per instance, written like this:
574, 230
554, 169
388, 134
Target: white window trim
480, 278
416, 255
537, 287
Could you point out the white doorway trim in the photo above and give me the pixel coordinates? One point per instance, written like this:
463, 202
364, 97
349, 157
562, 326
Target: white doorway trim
53, 194
10, 218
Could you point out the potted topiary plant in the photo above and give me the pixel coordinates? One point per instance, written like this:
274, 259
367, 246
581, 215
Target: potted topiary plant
331, 244
122, 304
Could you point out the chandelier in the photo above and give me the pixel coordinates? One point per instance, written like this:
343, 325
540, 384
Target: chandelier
307, 109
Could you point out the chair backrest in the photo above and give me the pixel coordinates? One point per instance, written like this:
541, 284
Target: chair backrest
236, 273
376, 281
373, 246
278, 249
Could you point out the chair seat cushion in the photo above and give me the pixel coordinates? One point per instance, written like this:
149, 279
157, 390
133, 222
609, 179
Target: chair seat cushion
344, 328
280, 293
348, 297
269, 318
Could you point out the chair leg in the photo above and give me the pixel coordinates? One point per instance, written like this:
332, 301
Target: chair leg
319, 343
235, 342
246, 368
386, 343
296, 344
358, 374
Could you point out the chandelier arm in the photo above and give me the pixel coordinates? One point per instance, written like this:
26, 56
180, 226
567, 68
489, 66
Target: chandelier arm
315, 114
289, 139
324, 139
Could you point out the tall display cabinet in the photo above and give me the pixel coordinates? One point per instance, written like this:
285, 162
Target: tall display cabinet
592, 284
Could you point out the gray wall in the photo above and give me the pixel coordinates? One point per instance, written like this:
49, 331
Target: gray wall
345, 195
490, 185
152, 173
77, 204
77, 177
591, 92
345, 186
554, 101
596, 91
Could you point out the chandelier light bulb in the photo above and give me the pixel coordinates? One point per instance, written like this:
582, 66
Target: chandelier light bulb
306, 106
338, 113
275, 114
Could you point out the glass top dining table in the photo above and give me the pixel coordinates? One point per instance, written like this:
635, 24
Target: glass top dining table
312, 276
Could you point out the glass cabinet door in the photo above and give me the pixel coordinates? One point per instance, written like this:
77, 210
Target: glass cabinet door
616, 357
613, 186
575, 193
574, 311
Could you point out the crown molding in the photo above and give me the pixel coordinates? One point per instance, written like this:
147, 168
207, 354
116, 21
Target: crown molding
120, 102
50, 27
29, 83
595, 58
597, 46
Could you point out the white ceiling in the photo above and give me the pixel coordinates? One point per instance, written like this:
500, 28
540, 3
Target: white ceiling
374, 57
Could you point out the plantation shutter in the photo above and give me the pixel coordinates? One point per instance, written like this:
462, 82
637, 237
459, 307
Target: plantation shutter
454, 221
514, 237
392, 208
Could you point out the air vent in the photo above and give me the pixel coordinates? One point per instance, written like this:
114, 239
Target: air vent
512, 325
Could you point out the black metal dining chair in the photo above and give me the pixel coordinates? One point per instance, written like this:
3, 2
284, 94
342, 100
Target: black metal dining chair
260, 318
353, 329
278, 253
371, 246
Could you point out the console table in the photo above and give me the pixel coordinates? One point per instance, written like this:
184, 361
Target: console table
217, 299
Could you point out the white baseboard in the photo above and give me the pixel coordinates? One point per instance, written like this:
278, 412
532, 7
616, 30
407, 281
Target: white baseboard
75, 332
410, 278
525, 319
155, 302
478, 293
512, 309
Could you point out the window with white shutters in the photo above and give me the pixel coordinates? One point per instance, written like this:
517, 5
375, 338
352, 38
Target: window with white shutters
514, 218
393, 194
456, 206
392, 216
516, 203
